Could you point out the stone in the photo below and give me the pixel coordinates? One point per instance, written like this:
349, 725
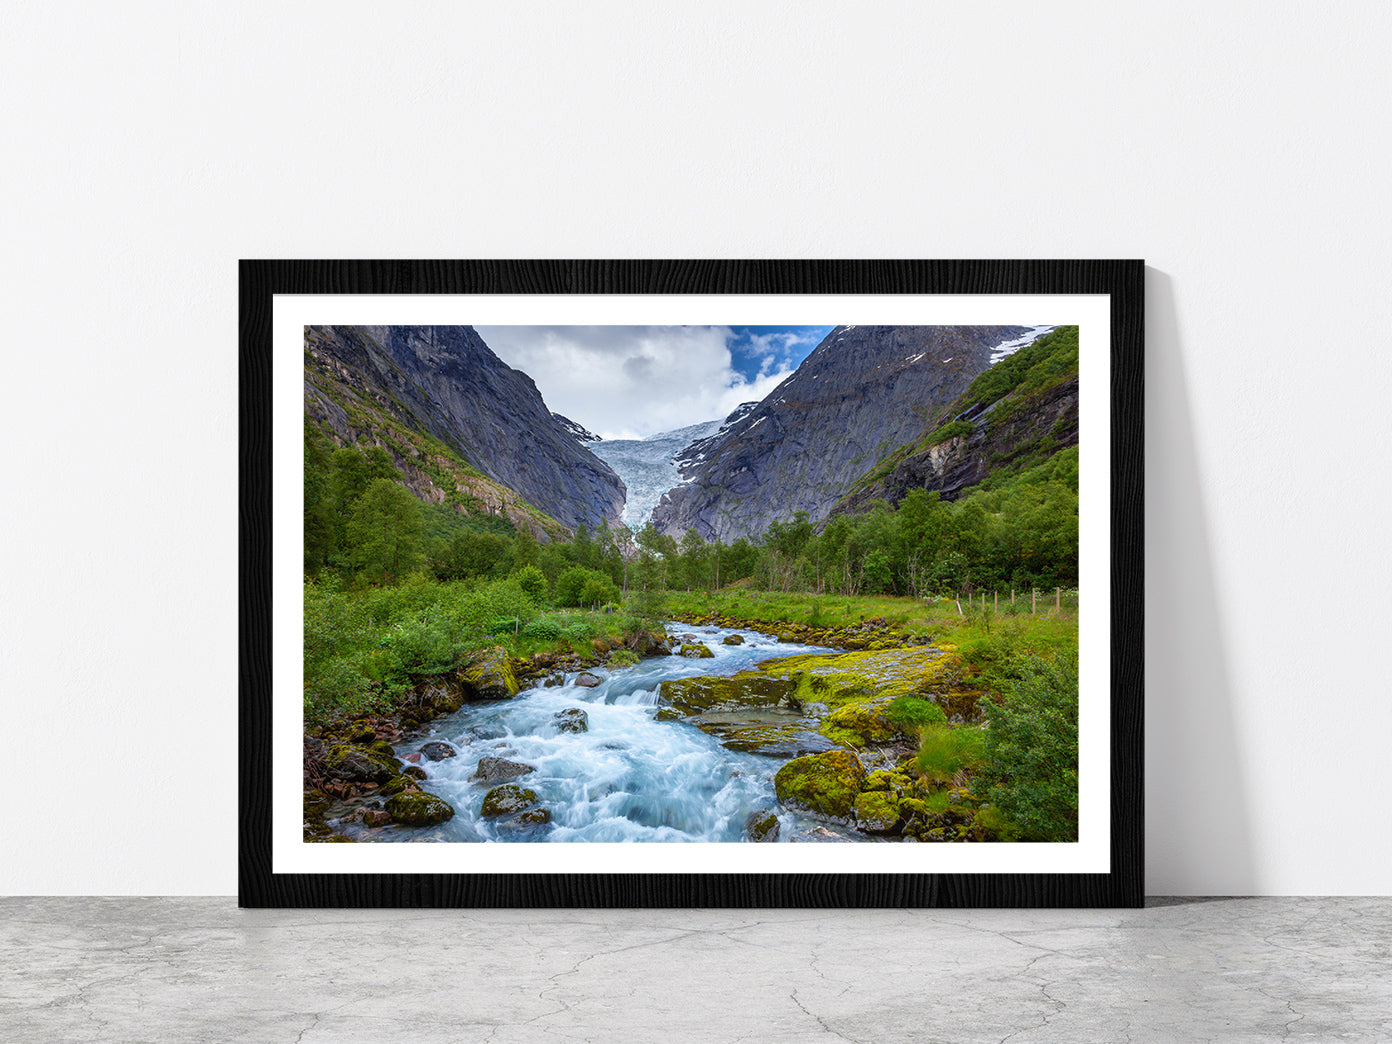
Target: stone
530, 818
876, 812
732, 639
586, 680
761, 825
500, 770
399, 785
358, 764
376, 817
696, 651
822, 785
572, 719
742, 691
490, 676
417, 808
414, 771
438, 751
507, 800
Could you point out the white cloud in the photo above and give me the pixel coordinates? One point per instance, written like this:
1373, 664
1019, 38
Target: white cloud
630, 381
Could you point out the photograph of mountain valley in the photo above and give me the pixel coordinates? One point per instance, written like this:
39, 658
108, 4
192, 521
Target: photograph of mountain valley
775, 584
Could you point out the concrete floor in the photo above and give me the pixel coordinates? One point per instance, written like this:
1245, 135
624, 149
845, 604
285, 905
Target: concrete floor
175, 970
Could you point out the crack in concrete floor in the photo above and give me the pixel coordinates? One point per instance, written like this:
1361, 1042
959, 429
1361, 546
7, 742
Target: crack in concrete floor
133, 970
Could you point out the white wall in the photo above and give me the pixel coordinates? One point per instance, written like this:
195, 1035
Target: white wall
1243, 152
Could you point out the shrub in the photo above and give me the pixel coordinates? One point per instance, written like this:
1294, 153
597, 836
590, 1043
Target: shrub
622, 658
1030, 769
543, 628
419, 644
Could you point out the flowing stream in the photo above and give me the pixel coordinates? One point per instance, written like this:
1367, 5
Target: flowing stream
629, 777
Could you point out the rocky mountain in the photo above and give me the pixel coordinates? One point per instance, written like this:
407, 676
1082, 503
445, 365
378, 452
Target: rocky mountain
444, 405
577, 431
649, 467
861, 394
1016, 415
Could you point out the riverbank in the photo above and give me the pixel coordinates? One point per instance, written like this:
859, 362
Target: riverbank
886, 736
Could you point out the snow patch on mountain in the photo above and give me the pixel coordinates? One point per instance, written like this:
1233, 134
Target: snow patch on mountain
1013, 345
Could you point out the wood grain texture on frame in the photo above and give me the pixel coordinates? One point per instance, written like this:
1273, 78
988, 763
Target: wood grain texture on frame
260, 281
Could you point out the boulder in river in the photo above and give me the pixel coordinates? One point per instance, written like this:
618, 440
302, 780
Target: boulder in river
586, 680
435, 750
500, 770
824, 786
572, 719
400, 785
762, 825
732, 639
417, 808
695, 651
742, 691
490, 676
507, 800
530, 818
358, 764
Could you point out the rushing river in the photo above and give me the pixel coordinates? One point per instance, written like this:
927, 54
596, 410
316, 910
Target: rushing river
629, 777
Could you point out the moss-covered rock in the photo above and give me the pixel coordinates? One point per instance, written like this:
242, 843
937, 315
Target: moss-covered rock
696, 651
732, 639
382, 747
761, 825
490, 676
876, 812
361, 733
823, 785
358, 764
858, 725
586, 680
399, 785
414, 771
507, 800
437, 696
417, 808
530, 818
742, 691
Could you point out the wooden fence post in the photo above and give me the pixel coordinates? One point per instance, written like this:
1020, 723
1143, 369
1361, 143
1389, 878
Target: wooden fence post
1058, 604
1034, 596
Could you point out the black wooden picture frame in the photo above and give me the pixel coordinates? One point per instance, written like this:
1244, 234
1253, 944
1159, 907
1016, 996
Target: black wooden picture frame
1122, 281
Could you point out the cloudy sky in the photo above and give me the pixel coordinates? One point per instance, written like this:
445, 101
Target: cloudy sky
635, 381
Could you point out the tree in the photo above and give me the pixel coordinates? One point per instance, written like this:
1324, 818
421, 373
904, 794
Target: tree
318, 507
693, 558
385, 531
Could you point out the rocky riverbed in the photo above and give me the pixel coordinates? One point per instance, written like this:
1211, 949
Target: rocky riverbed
721, 733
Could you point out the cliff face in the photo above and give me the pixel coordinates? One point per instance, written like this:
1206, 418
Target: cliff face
861, 394
1036, 427
444, 382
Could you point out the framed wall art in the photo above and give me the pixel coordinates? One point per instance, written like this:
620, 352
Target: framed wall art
691, 583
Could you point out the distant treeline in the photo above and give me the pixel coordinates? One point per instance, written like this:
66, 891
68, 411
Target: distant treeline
1018, 530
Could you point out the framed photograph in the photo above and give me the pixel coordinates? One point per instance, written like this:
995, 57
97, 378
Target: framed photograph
691, 583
